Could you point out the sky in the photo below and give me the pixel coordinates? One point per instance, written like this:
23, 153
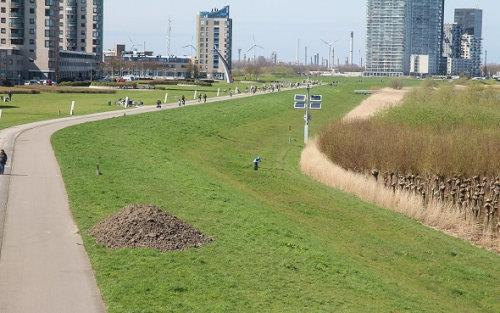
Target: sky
275, 24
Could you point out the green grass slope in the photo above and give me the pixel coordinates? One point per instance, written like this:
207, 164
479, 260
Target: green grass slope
283, 243
32, 108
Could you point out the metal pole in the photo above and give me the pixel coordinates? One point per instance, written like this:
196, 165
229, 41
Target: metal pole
306, 118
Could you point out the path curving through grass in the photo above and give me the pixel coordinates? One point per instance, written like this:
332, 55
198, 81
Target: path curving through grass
282, 242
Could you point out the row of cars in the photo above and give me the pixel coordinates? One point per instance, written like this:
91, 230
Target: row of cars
44, 82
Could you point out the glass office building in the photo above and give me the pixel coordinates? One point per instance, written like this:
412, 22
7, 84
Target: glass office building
425, 21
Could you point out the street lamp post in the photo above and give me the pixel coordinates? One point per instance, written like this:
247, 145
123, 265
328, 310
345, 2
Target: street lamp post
307, 102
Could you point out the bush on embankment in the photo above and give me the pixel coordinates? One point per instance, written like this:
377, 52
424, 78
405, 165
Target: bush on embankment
75, 84
376, 144
439, 132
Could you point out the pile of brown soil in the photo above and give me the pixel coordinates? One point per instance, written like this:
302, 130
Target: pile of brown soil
147, 226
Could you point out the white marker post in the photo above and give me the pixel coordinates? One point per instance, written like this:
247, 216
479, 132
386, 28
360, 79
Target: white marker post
218, 92
195, 95
166, 98
126, 102
0, 113
72, 110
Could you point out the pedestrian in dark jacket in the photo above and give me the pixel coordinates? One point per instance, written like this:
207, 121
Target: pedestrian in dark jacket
3, 161
10, 95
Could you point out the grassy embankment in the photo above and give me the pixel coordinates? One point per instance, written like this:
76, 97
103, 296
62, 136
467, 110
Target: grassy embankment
282, 242
26, 108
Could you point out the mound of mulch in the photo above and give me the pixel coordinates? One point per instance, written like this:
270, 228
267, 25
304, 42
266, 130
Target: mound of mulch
147, 226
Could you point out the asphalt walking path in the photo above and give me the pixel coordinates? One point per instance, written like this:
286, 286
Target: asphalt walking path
44, 267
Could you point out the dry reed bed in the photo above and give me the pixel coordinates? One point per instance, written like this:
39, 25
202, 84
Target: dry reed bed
444, 175
466, 151
436, 214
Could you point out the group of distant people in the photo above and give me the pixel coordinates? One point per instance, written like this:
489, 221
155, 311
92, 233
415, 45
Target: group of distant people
273, 87
202, 98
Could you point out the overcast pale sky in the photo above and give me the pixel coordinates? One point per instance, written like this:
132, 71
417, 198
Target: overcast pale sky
276, 24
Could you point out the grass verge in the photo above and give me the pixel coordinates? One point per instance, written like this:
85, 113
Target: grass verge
282, 243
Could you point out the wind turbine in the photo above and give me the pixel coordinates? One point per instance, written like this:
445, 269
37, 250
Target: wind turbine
133, 48
331, 53
193, 48
254, 48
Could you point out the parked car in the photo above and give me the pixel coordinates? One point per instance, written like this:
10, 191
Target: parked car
31, 82
47, 82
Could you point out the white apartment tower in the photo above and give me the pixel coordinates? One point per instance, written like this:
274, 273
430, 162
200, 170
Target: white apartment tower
214, 43
37, 35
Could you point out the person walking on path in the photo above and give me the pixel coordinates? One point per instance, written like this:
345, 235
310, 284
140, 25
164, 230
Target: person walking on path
183, 99
3, 161
10, 95
205, 98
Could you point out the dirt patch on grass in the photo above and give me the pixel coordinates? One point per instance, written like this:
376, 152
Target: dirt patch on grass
147, 226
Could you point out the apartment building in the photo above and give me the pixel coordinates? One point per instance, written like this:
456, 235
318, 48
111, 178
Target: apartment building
469, 62
214, 43
452, 40
404, 37
35, 34
386, 35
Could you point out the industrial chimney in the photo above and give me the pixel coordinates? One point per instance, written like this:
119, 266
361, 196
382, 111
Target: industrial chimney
351, 52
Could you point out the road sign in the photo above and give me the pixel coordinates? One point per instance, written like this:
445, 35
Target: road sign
300, 98
315, 103
301, 105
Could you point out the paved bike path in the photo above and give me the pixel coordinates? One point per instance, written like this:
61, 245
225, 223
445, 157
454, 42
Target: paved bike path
43, 264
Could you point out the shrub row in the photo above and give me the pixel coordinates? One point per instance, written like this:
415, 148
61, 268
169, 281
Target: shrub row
54, 89
18, 91
115, 84
157, 82
75, 84
168, 82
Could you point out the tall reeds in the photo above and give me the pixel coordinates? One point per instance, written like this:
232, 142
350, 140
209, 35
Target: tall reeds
436, 158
